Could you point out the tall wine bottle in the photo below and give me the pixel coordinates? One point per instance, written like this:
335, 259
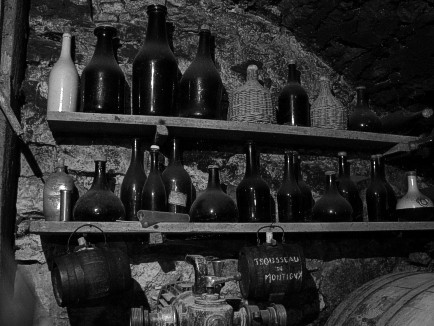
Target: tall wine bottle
154, 192
376, 194
391, 196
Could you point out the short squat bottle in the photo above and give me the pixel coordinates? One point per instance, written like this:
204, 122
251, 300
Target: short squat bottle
414, 205
102, 81
391, 196
134, 180
180, 190
331, 207
293, 102
308, 201
376, 194
200, 88
253, 193
289, 196
99, 203
348, 189
154, 192
362, 118
213, 205
155, 70
57, 181
63, 81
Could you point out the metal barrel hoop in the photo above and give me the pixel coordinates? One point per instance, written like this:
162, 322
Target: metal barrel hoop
271, 226
89, 225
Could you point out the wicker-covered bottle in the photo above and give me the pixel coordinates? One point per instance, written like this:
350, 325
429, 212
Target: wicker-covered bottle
327, 111
252, 102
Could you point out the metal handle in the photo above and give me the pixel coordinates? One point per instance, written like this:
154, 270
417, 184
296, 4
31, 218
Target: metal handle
271, 226
89, 225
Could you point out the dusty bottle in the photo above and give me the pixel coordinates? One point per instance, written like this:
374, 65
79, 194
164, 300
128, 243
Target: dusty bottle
405, 122
180, 190
362, 118
331, 207
348, 189
200, 88
253, 193
293, 103
57, 181
308, 201
154, 192
99, 203
102, 81
376, 194
289, 196
63, 82
391, 196
213, 205
414, 205
134, 180
155, 70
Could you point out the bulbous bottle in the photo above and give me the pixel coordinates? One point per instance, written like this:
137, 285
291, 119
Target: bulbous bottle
200, 88
293, 103
155, 70
134, 180
414, 205
391, 196
376, 194
213, 205
289, 196
180, 190
99, 203
154, 192
253, 193
57, 181
308, 201
102, 80
348, 189
63, 81
362, 118
331, 207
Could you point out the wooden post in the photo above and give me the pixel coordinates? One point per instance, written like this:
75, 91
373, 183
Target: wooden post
14, 31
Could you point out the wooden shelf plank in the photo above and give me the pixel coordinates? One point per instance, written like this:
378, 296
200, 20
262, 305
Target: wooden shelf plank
78, 123
43, 227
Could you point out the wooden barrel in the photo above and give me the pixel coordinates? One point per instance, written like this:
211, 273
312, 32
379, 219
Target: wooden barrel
398, 299
271, 272
89, 274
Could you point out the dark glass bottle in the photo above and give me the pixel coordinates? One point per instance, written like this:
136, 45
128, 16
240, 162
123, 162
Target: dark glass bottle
155, 70
308, 201
180, 191
253, 193
134, 180
376, 194
348, 189
293, 103
200, 88
99, 203
391, 196
289, 196
331, 207
154, 192
362, 118
213, 205
102, 86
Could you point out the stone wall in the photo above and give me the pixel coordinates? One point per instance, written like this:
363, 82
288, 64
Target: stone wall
337, 265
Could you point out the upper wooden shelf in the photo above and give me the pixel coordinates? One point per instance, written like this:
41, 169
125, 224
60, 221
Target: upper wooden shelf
73, 124
47, 228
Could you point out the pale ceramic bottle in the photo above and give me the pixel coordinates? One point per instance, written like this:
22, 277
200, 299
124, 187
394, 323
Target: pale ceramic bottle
414, 205
63, 80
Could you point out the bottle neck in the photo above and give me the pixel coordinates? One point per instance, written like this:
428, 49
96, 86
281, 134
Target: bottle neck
175, 153
213, 178
204, 49
343, 166
156, 31
412, 183
297, 169
154, 162
104, 44
289, 168
361, 98
251, 160
66, 46
292, 73
331, 183
324, 87
59, 168
375, 169
136, 152
100, 177
382, 168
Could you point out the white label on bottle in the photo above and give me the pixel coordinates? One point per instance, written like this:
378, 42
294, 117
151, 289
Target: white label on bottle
177, 198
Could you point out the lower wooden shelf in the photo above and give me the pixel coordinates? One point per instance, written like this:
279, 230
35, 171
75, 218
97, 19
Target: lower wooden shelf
46, 228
